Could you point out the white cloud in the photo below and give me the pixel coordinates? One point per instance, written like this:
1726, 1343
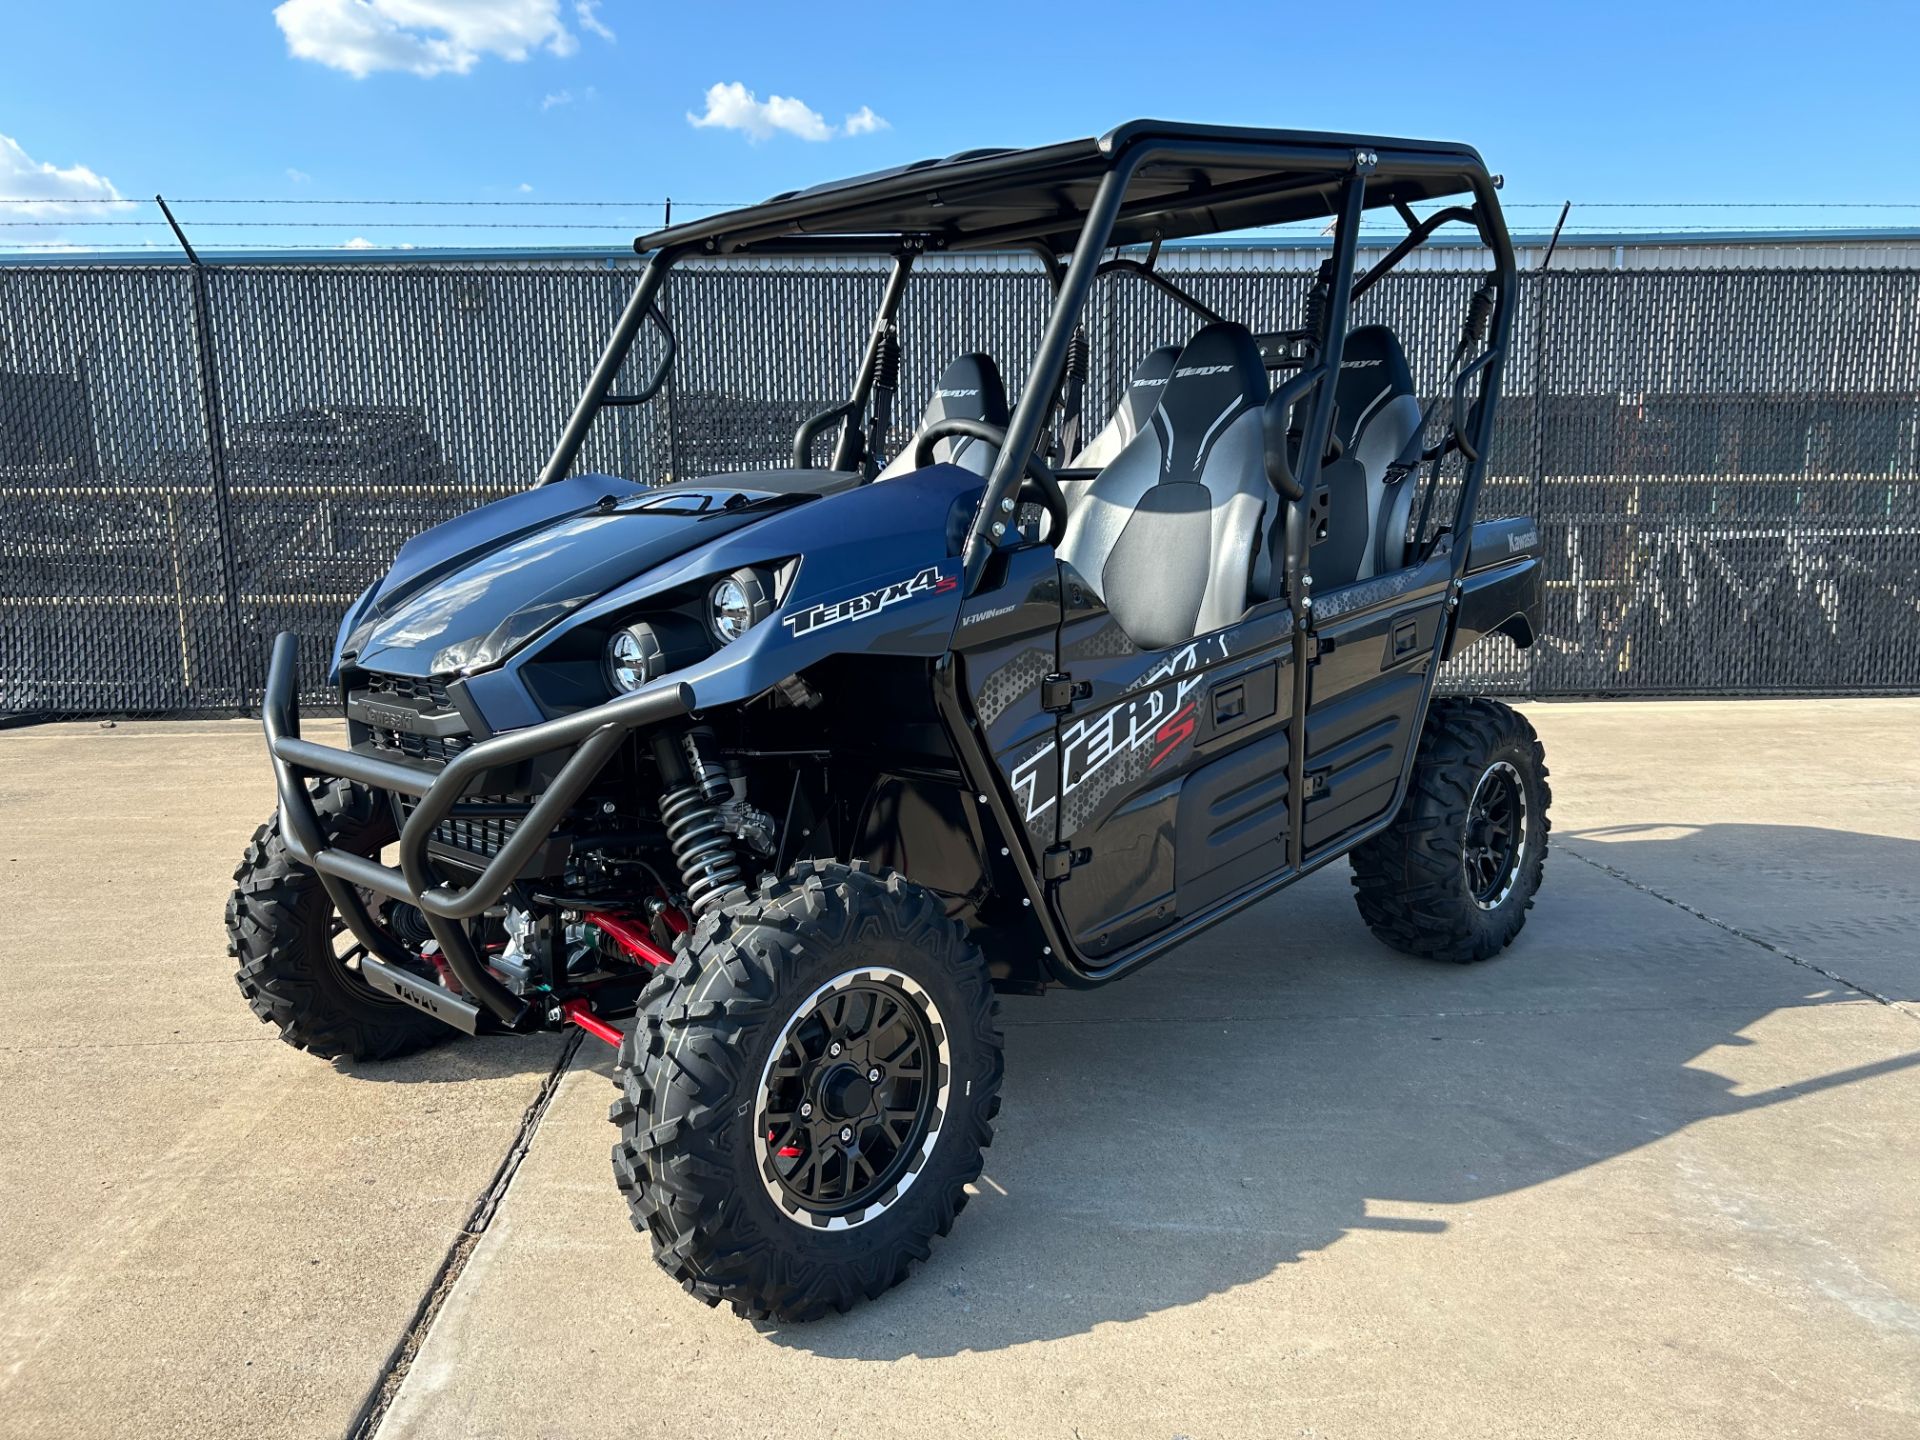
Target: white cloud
299, 177
734, 107
558, 97
525, 188
359, 242
423, 37
38, 185
585, 11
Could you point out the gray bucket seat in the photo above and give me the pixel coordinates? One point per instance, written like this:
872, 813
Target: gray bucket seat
1370, 488
1169, 535
1149, 378
969, 388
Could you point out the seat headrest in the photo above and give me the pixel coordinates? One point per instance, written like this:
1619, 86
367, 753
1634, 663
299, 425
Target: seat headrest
1373, 369
1137, 402
970, 388
1217, 376
1146, 385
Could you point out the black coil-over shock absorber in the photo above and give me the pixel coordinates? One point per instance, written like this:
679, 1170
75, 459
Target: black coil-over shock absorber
886, 383
1318, 298
1073, 388
696, 786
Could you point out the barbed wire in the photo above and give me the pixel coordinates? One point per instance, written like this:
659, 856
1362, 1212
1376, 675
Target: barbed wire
1300, 227
308, 200
618, 231
305, 225
661, 204
618, 246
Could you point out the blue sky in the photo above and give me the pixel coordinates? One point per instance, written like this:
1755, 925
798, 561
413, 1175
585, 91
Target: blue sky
544, 100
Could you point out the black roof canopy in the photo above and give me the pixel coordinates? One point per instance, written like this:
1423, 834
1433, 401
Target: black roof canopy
1192, 180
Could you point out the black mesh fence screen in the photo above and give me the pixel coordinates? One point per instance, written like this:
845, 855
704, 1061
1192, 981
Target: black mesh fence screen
1725, 465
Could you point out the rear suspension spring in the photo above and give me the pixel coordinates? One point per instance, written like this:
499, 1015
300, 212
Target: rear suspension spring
690, 810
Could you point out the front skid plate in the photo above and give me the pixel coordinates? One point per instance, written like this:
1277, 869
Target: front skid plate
436, 1000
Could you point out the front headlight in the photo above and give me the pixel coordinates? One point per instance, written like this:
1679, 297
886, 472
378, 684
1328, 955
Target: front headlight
642, 652
633, 655
738, 602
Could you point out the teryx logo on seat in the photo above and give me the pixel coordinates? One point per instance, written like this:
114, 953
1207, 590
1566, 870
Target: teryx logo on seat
861, 607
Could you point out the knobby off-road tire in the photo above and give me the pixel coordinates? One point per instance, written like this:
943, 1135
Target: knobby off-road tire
1426, 884
730, 1015
281, 927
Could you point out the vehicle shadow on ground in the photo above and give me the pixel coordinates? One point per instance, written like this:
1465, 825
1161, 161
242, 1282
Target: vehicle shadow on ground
1285, 1080
461, 1059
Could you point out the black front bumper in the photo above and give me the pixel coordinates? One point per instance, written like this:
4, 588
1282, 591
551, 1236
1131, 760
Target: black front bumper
592, 735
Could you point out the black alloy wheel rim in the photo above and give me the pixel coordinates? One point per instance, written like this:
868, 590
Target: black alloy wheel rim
852, 1098
1496, 835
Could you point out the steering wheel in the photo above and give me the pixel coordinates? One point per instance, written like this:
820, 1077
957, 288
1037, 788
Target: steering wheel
1038, 474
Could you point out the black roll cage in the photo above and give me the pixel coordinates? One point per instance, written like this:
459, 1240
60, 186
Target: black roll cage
1343, 176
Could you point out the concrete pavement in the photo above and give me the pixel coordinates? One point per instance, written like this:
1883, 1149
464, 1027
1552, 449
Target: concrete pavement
1650, 1173
202, 1231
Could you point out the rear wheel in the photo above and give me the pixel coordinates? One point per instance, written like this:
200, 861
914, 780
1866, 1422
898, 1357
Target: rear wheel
1455, 874
298, 962
806, 1093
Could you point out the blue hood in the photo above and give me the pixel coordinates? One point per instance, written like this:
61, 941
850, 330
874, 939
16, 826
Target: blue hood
466, 594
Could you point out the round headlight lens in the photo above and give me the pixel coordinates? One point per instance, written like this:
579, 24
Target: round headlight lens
635, 655
737, 603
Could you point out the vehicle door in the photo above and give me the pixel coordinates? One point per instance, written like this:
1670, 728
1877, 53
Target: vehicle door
1172, 769
1376, 641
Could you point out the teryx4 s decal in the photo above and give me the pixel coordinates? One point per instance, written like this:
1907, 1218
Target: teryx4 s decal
1158, 712
860, 607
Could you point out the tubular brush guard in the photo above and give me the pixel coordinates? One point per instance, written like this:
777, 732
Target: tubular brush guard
593, 735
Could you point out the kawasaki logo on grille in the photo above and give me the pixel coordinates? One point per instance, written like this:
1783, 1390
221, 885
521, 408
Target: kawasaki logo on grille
390, 717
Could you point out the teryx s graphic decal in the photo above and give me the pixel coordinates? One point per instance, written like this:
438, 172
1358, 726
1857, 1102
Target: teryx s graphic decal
1157, 713
861, 607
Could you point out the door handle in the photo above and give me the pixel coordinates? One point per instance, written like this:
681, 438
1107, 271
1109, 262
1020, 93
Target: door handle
1406, 638
1229, 704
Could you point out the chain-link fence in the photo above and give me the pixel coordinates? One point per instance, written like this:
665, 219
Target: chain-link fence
1726, 465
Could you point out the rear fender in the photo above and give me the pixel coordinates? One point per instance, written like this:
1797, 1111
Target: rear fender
1501, 593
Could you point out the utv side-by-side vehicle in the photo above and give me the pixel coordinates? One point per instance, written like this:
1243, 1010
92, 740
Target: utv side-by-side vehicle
774, 779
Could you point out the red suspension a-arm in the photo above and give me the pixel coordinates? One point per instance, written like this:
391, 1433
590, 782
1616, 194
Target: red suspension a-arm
629, 936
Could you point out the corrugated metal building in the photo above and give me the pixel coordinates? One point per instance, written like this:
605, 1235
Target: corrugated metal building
1732, 249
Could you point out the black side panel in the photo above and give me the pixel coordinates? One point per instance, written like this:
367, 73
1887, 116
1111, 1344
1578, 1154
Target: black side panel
1233, 821
929, 832
1377, 640
1153, 735
1354, 748
1124, 887
1502, 590
1007, 642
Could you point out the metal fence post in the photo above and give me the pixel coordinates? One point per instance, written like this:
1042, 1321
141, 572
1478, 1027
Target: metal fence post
208, 374
1537, 501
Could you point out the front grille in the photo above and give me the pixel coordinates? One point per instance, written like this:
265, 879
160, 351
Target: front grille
427, 695
478, 835
408, 687
438, 749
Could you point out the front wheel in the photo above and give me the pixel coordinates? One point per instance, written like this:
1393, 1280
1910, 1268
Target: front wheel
298, 966
806, 1093
1452, 878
